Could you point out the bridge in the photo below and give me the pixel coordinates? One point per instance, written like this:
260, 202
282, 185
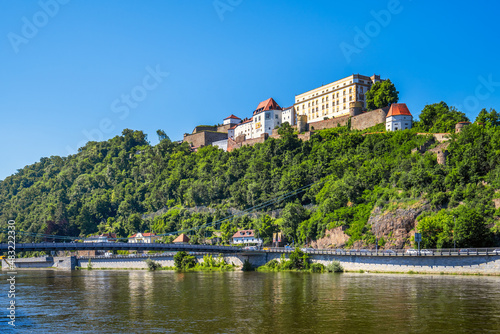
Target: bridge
71, 246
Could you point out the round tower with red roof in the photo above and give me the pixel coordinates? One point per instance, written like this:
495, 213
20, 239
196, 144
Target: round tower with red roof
398, 118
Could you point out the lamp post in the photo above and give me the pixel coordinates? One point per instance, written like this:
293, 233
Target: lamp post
454, 229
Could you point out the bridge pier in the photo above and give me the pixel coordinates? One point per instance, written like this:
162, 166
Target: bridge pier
45, 262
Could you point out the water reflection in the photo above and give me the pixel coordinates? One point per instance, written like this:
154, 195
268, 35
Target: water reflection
237, 302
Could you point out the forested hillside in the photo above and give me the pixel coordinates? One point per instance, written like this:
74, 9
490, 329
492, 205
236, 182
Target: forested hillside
117, 185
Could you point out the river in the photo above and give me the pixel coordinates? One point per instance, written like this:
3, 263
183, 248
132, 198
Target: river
237, 302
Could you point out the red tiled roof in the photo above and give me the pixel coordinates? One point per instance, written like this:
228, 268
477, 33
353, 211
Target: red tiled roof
244, 233
268, 104
232, 116
144, 235
398, 109
244, 122
233, 127
181, 238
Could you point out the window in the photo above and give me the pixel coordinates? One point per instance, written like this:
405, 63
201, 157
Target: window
350, 90
268, 116
344, 92
344, 99
327, 99
327, 105
350, 98
276, 116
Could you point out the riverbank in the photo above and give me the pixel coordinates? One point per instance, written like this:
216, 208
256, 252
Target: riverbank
462, 265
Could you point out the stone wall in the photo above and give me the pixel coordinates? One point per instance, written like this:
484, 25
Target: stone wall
482, 264
204, 138
440, 137
202, 128
369, 119
140, 262
224, 128
44, 262
240, 142
305, 136
486, 265
329, 123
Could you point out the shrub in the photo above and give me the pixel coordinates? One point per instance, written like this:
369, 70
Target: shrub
317, 268
273, 264
183, 260
247, 266
89, 266
152, 265
334, 267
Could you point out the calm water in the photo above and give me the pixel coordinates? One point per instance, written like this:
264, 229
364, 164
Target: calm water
237, 302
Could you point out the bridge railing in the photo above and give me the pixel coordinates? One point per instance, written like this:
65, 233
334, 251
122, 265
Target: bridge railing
391, 252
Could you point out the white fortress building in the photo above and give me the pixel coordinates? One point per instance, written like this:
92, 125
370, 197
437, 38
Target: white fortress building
266, 117
333, 100
398, 118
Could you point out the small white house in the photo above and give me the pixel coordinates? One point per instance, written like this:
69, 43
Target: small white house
233, 120
398, 118
143, 238
106, 237
246, 237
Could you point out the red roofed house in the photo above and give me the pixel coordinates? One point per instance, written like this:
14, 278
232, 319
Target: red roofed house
245, 237
232, 120
398, 118
181, 239
268, 104
106, 237
146, 238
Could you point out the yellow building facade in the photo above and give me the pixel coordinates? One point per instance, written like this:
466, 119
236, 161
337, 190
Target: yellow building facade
333, 100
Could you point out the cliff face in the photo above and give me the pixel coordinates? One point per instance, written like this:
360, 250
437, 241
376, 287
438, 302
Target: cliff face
334, 238
396, 227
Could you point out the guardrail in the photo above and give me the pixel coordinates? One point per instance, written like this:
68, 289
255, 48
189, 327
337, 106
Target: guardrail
390, 252
55, 246
135, 256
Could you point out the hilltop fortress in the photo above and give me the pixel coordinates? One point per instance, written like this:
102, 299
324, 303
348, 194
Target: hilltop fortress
324, 107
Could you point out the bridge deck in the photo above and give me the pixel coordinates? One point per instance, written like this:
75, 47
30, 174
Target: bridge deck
47, 246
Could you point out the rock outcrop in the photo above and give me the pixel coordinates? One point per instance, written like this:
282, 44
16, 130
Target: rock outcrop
334, 238
396, 227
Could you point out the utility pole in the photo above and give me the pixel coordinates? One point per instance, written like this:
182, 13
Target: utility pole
454, 229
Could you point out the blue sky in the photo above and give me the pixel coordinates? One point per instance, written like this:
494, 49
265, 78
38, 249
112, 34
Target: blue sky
67, 68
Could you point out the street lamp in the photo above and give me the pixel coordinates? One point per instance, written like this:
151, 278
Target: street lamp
454, 229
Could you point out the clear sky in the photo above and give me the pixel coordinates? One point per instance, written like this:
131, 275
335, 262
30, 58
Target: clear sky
76, 70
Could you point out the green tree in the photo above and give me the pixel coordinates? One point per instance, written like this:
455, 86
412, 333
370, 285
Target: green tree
492, 117
162, 135
439, 117
381, 94
293, 214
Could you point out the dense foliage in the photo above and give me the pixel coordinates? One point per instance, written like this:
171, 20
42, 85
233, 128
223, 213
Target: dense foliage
439, 118
125, 185
381, 94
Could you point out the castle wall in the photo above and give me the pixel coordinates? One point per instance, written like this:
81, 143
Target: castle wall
202, 128
329, 123
369, 119
204, 138
224, 128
